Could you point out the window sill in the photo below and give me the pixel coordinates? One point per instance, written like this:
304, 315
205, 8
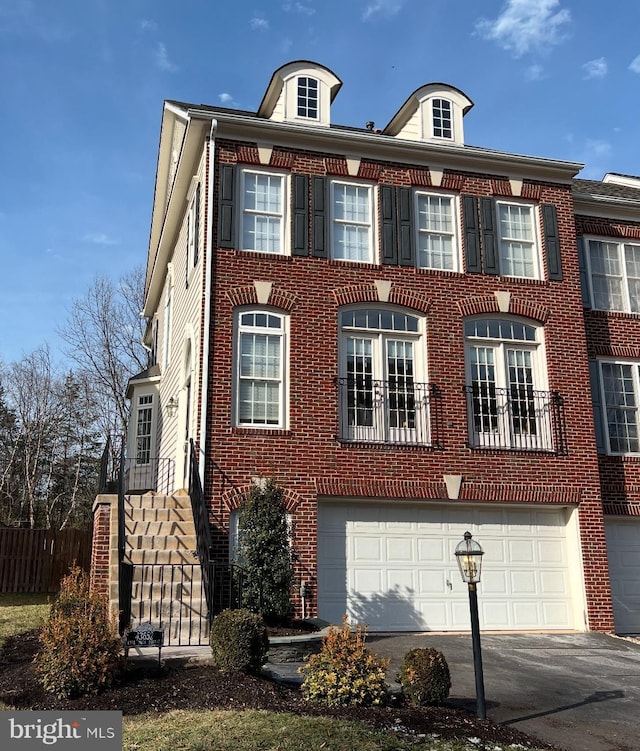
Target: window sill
387, 446
514, 450
259, 430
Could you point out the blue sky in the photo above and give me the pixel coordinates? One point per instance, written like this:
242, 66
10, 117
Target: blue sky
82, 84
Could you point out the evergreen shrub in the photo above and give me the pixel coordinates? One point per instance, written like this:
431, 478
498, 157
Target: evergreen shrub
344, 672
424, 676
239, 641
79, 644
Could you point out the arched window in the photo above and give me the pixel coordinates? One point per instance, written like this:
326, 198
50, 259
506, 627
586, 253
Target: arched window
383, 393
508, 404
260, 367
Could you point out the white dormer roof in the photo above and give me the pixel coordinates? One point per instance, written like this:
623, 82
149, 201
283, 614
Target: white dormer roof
432, 113
300, 92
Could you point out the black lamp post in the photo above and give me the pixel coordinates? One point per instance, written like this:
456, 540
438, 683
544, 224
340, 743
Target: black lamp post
469, 556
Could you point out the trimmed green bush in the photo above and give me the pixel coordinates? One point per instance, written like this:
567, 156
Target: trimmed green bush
344, 672
424, 676
239, 641
264, 553
79, 645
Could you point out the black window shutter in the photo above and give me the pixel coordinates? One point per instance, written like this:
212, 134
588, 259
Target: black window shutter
471, 234
596, 398
196, 226
388, 213
319, 227
584, 279
226, 201
489, 240
406, 252
300, 223
187, 254
552, 241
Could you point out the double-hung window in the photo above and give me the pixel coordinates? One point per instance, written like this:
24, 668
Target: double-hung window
518, 240
263, 211
352, 230
507, 405
619, 398
260, 369
383, 397
436, 223
307, 104
442, 118
144, 421
615, 275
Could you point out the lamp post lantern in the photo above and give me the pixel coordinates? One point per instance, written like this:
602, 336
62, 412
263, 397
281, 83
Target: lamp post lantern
469, 556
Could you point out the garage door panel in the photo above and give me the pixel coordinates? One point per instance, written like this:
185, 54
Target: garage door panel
402, 572
623, 549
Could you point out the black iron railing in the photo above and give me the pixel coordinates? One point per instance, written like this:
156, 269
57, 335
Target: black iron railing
150, 473
394, 411
518, 418
204, 544
125, 568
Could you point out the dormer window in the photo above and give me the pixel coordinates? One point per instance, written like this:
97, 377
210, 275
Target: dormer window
442, 122
308, 97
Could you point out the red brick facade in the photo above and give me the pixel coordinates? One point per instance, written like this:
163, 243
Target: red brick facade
309, 461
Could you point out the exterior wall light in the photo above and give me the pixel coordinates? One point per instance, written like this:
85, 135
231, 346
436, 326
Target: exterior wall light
172, 406
469, 556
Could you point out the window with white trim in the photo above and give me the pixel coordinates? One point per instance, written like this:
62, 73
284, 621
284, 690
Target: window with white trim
507, 402
620, 385
307, 103
436, 229
382, 389
352, 225
614, 268
442, 118
261, 365
144, 421
263, 211
518, 240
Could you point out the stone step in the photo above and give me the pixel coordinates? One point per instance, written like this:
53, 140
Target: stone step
158, 611
158, 501
161, 556
157, 514
180, 633
179, 579
161, 542
159, 529
185, 591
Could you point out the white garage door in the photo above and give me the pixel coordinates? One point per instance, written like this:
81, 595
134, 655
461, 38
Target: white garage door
393, 566
623, 549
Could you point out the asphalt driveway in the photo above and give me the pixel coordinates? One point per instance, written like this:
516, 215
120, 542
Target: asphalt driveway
580, 692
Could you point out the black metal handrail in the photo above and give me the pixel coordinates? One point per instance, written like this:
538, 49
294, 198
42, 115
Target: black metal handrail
518, 418
204, 543
150, 473
394, 411
125, 568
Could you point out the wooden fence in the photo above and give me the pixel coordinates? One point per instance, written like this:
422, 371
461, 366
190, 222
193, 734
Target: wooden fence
34, 560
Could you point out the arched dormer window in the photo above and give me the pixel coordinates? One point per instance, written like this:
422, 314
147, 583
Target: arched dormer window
308, 104
442, 118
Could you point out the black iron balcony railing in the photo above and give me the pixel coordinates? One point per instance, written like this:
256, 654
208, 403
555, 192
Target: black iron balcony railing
395, 411
518, 418
149, 473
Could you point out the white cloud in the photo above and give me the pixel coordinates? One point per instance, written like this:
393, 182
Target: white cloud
595, 68
596, 156
634, 65
258, 23
162, 59
148, 25
298, 8
227, 100
525, 25
382, 8
535, 72
100, 238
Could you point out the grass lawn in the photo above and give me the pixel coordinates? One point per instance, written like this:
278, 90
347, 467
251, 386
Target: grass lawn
21, 612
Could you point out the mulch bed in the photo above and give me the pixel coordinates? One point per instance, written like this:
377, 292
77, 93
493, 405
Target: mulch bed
146, 688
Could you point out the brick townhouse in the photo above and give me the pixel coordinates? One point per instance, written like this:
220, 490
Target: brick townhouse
400, 329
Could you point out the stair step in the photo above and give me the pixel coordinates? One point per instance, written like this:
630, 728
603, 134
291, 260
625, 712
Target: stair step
159, 529
173, 514
185, 591
158, 501
161, 542
176, 633
158, 611
161, 556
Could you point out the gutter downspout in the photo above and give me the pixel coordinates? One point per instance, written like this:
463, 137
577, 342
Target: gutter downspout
206, 336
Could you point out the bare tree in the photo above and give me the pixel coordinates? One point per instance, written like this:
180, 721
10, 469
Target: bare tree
104, 337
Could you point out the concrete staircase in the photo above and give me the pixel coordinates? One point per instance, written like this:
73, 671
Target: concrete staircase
167, 588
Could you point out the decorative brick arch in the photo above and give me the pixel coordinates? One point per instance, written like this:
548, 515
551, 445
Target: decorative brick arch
369, 293
516, 307
234, 498
248, 295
